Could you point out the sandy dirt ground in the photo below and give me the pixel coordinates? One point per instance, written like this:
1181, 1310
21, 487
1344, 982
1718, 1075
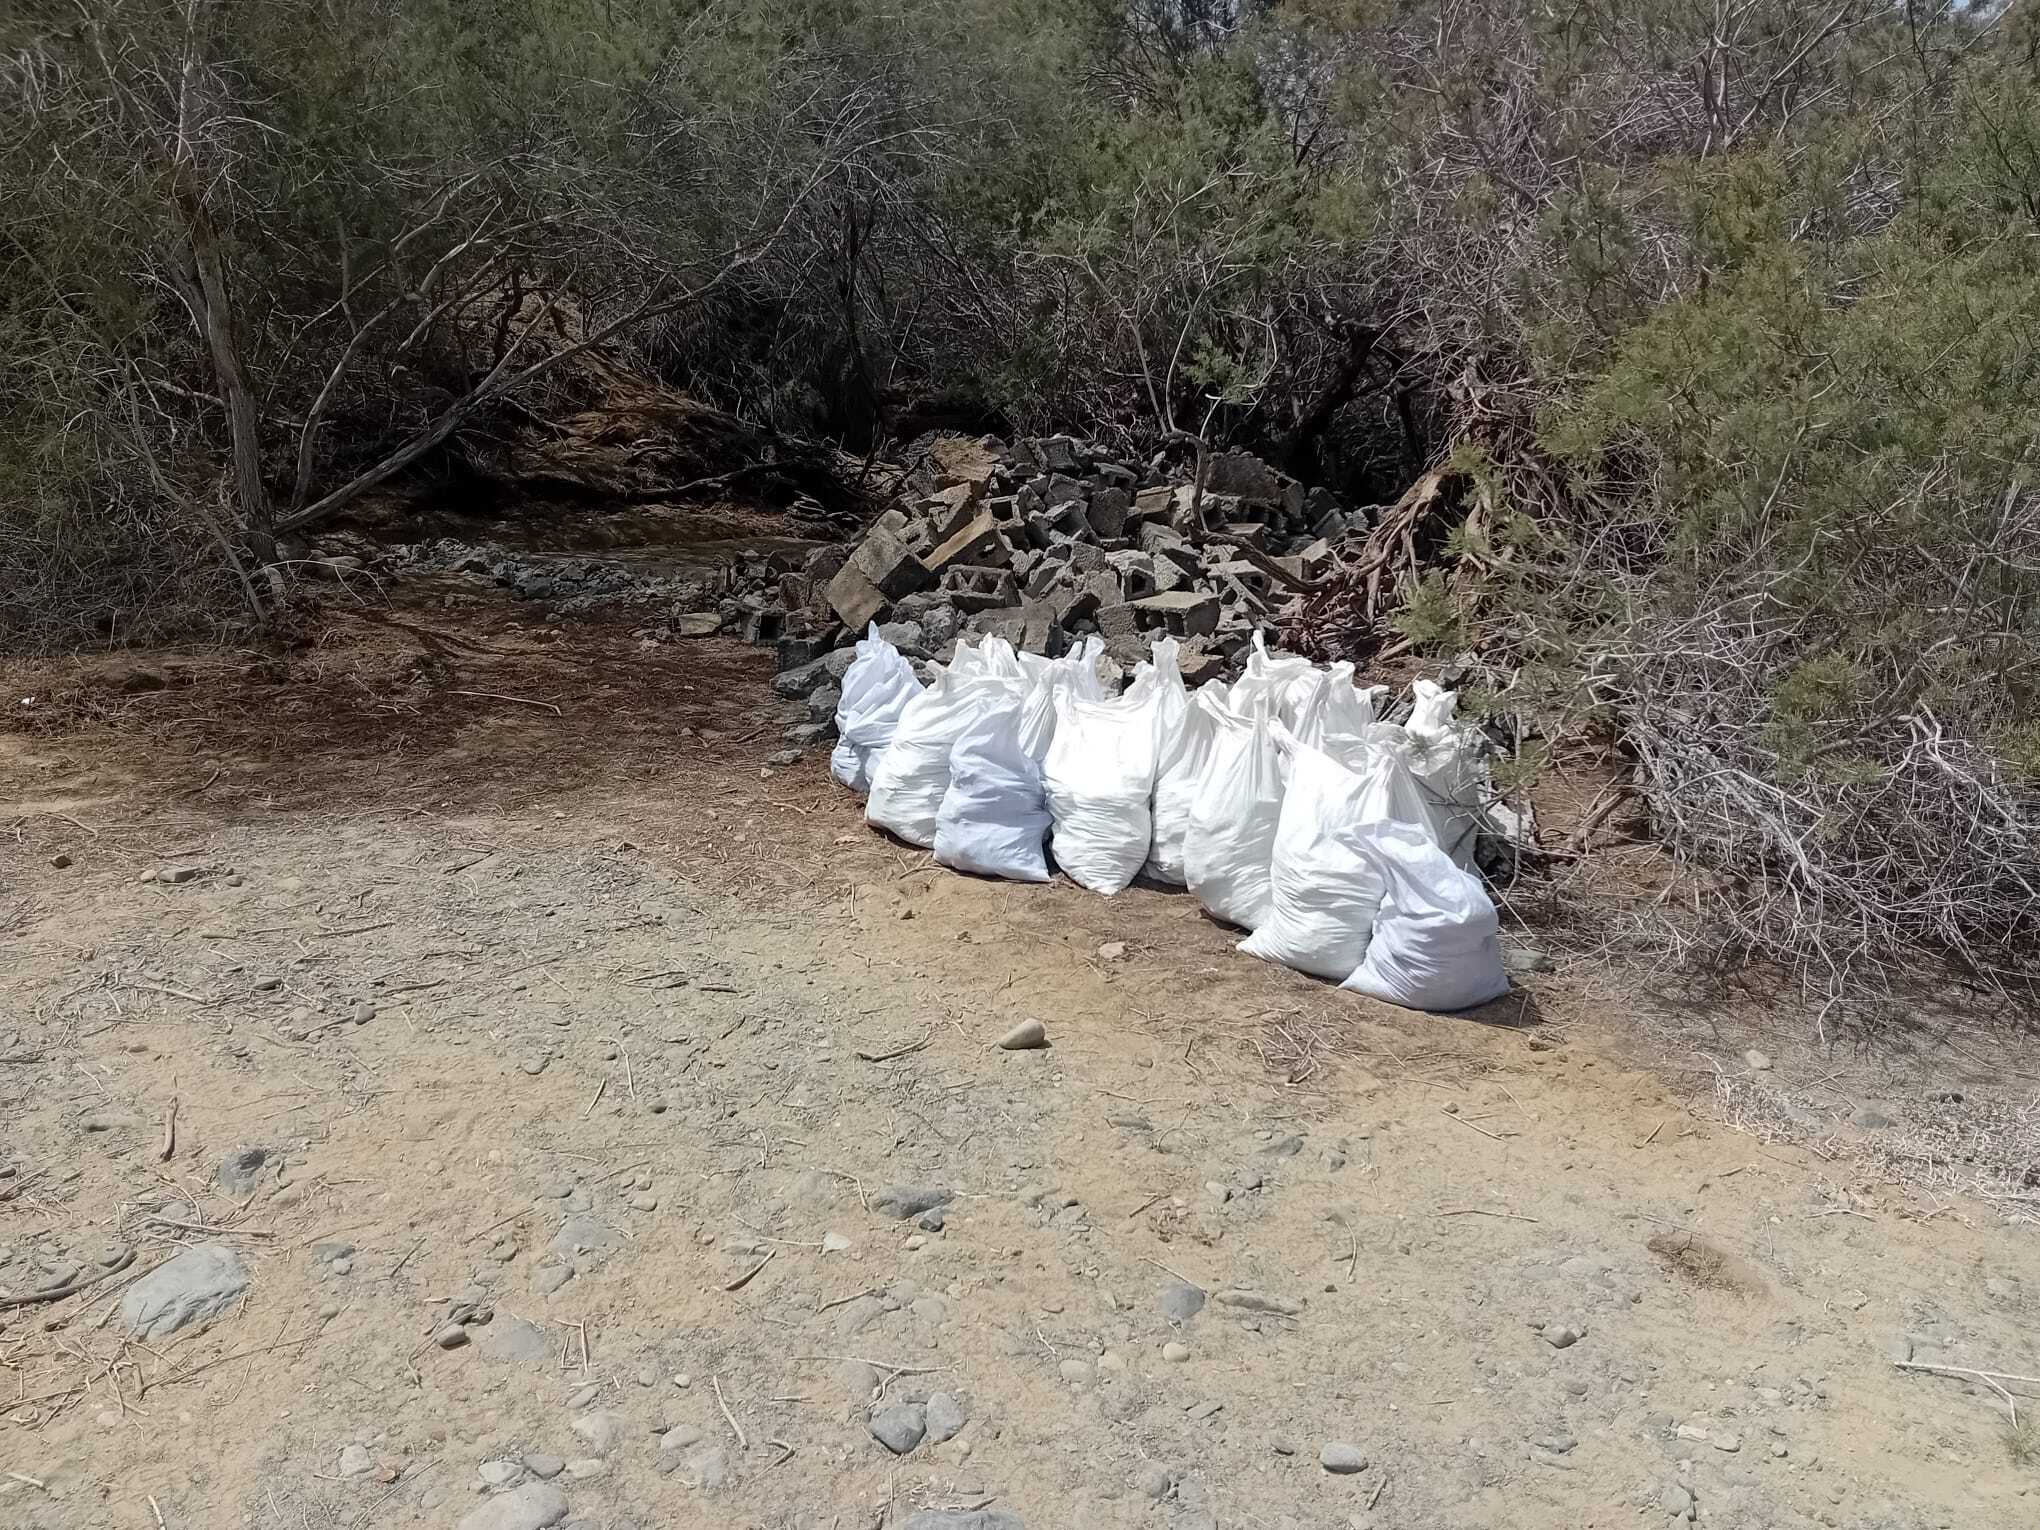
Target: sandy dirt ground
584, 1042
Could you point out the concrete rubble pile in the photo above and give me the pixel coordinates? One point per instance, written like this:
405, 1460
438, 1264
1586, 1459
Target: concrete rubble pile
1044, 543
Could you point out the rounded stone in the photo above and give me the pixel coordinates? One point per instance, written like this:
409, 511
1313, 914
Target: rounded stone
1342, 1459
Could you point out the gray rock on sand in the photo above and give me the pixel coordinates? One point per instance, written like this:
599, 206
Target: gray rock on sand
195, 1287
1342, 1459
242, 1171
535, 1506
945, 1417
1181, 1301
1024, 1037
900, 1428
964, 1519
902, 1201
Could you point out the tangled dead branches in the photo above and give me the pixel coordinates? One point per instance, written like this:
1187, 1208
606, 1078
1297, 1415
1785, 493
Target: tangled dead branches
1895, 835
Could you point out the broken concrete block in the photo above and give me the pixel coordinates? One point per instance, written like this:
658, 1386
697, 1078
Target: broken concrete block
1153, 504
1079, 596
1056, 454
977, 543
894, 522
885, 559
1253, 533
1057, 523
856, 601
796, 651
1197, 664
796, 592
1108, 511
1062, 491
980, 589
1031, 628
906, 637
1181, 613
1135, 572
1117, 621
1003, 508
761, 626
824, 562
945, 521
1127, 651
1087, 558
1049, 563
1243, 474
1243, 574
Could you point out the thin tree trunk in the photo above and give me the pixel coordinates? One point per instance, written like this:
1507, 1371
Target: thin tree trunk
201, 276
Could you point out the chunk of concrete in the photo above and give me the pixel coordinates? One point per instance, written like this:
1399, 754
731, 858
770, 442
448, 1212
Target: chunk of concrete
856, 601
977, 545
1181, 613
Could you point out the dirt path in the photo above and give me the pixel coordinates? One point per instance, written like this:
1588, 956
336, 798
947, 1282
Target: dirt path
633, 1073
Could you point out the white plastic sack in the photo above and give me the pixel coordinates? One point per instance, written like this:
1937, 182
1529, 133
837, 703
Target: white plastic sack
994, 816
1234, 814
1288, 681
1450, 761
1337, 716
876, 689
1178, 780
1437, 943
1325, 883
1100, 776
910, 778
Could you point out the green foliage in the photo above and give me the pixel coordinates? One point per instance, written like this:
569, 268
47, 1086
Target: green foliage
1431, 618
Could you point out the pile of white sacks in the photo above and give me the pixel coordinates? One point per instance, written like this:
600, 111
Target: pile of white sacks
1341, 844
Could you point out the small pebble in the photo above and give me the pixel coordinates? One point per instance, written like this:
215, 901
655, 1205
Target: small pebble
535, 1065
916, 1243
1153, 1482
452, 1336
1560, 1335
544, 1468
1342, 1459
1075, 1372
355, 1461
500, 1474
1175, 1351
642, 1202
342, 1266
362, 1013
1025, 1037
60, 860
1759, 1062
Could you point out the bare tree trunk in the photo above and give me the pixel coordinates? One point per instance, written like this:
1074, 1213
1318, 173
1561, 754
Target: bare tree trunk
201, 278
